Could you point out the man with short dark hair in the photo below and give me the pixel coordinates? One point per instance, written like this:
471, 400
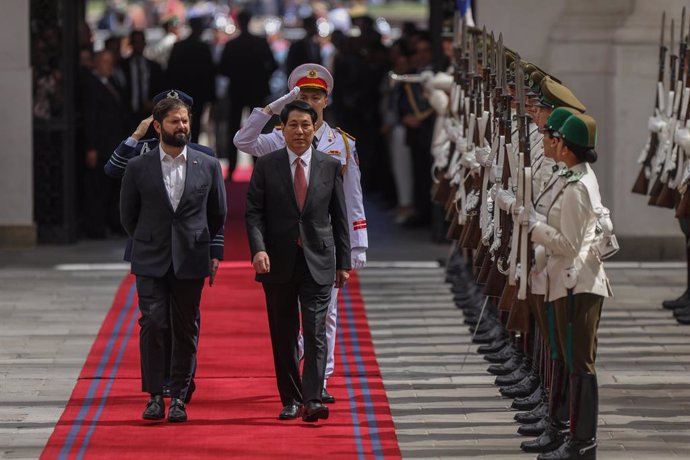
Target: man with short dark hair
298, 236
172, 202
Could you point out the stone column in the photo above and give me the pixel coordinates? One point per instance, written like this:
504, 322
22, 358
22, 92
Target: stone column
16, 155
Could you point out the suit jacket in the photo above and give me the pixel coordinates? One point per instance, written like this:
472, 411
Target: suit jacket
249, 62
192, 70
155, 83
104, 117
274, 222
163, 237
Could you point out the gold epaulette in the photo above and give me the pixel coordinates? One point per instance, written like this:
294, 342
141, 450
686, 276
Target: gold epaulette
279, 127
345, 134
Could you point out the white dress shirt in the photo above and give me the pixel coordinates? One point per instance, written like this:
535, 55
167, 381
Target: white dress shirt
306, 159
174, 175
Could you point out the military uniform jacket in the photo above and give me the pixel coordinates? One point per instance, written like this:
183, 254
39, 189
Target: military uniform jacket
130, 148
568, 235
336, 144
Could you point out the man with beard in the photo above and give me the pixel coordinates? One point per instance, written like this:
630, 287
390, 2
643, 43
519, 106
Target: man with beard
172, 201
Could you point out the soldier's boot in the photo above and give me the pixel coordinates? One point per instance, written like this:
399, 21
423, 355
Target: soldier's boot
497, 332
524, 387
495, 346
680, 302
531, 401
501, 356
533, 416
558, 406
534, 429
514, 377
581, 444
507, 367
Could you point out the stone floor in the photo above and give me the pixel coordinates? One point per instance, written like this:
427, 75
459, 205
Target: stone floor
443, 402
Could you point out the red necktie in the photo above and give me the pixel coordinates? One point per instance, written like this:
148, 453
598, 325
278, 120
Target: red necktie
300, 184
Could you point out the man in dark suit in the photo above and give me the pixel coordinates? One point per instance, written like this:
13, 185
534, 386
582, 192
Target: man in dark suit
307, 49
191, 69
249, 62
172, 201
298, 236
143, 79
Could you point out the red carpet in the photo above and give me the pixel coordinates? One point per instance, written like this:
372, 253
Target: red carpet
235, 407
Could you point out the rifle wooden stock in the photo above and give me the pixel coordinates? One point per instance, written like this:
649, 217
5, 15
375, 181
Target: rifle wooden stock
473, 232
480, 255
453, 228
667, 197
683, 208
441, 186
507, 297
450, 201
483, 275
641, 185
654, 191
520, 317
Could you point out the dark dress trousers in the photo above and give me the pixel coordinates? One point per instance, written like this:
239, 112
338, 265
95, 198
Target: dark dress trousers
303, 272
170, 258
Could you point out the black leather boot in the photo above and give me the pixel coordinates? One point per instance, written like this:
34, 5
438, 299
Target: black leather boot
534, 429
531, 401
493, 347
533, 416
581, 444
497, 332
501, 356
552, 438
680, 302
514, 377
523, 388
507, 367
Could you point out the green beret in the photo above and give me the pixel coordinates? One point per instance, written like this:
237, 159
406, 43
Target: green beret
554, 95
557, 118
580, 130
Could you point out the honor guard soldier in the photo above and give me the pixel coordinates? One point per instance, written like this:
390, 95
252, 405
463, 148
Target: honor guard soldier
313, 84
134, 146
577, 285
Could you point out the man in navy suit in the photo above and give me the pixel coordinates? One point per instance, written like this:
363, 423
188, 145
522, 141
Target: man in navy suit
172, 201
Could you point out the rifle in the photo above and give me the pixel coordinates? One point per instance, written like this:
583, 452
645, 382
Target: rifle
519, 317
641, 185
665, 146
668, 196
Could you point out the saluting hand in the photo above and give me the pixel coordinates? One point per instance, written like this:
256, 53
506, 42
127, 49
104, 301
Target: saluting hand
261, 262
142, 128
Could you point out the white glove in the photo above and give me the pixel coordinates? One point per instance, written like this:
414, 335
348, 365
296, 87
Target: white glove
426, 76
528, 218
656, 124
604, 221
505, 200
682, 138
482, 155
442, 81
439, 101
278, 105
359, 258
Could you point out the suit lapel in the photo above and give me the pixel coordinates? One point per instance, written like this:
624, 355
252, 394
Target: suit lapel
156, 173
286, 173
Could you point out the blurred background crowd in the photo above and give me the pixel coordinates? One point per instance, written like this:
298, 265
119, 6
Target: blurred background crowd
231, 56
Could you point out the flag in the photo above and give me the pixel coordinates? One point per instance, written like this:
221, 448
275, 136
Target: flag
465, 9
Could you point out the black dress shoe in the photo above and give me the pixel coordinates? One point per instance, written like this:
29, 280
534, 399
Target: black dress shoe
190, 392
530, 402
683, 319
681, 311
494, 346
326, 397
289, 412
680, 302
548, 441
155, 408
512, 378
177, 413
314, 410
500, 356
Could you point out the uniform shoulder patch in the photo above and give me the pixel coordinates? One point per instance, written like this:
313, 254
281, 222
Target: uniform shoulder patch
345, 134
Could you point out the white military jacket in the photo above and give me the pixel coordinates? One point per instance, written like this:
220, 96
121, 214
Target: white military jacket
334, 142
568, 234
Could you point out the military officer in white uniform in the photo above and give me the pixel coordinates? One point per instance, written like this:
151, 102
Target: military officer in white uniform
313, 84
577, 283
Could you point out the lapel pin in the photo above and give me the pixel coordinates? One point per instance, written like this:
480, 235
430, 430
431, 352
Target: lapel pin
194, 162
